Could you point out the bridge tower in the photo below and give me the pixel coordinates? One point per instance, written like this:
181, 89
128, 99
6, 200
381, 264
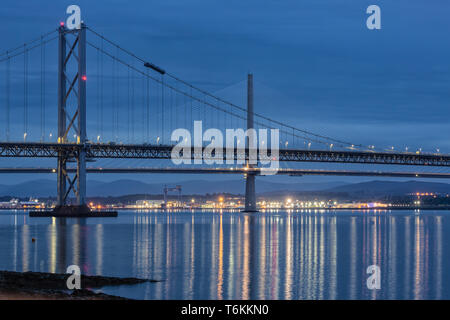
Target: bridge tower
250, 192
72, 52
77, 122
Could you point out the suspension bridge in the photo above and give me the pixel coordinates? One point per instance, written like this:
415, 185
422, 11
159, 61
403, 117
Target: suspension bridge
129, 112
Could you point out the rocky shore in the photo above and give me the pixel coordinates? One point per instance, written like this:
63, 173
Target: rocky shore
52, 286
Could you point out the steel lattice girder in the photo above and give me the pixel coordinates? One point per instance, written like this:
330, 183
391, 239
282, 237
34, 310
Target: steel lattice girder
50, 150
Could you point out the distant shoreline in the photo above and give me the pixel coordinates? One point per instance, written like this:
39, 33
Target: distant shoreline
428, 208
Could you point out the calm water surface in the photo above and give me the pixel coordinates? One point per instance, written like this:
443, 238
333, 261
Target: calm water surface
213, 255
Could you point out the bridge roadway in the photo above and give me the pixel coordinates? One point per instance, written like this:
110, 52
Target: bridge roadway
147, 151
255, 171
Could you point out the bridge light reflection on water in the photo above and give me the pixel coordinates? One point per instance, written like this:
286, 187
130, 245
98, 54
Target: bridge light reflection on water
274, 255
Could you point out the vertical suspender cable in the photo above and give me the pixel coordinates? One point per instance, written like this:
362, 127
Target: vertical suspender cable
162, 108
25, 93
101, 91
113, 95
293, 134
206, 108
157, 113
7, 88
42, 90
129, 105
176, 109
98, 96
41, 93
148, 108
143, 109
171, 111
186, 123
116, 93
132, 105
218, 116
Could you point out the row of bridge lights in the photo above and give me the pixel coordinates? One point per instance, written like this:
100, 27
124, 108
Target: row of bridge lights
26, 134
331, 145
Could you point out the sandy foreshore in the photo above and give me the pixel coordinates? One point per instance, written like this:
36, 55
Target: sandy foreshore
51, 286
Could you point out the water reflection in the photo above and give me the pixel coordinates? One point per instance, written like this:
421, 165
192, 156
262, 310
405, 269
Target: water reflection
222, 255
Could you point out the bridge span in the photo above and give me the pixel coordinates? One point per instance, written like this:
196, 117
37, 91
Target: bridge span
147, 151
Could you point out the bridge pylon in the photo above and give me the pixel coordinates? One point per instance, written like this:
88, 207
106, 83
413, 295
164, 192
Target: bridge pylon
250, 191
72, 51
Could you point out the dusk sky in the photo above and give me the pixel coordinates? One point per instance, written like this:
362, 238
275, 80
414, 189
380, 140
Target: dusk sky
315, 63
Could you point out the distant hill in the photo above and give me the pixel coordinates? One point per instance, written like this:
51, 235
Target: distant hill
34, 188
380, 188
45, 188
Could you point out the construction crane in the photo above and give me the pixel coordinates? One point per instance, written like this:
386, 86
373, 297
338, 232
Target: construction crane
167, 190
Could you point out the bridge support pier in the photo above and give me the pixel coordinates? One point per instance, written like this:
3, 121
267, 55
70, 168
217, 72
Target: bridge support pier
250, 194
250, 191
77, 123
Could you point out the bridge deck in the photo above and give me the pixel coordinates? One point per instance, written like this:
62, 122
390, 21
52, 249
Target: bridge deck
142, 151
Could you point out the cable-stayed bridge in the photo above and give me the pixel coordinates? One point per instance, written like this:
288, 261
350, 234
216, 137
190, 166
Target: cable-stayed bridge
76, 96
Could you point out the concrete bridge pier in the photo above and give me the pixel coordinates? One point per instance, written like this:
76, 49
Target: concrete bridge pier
250, 194
250, 191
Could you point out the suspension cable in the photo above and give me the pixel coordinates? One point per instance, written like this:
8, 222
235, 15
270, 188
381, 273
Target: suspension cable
164, 84
27, 44
229, 103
